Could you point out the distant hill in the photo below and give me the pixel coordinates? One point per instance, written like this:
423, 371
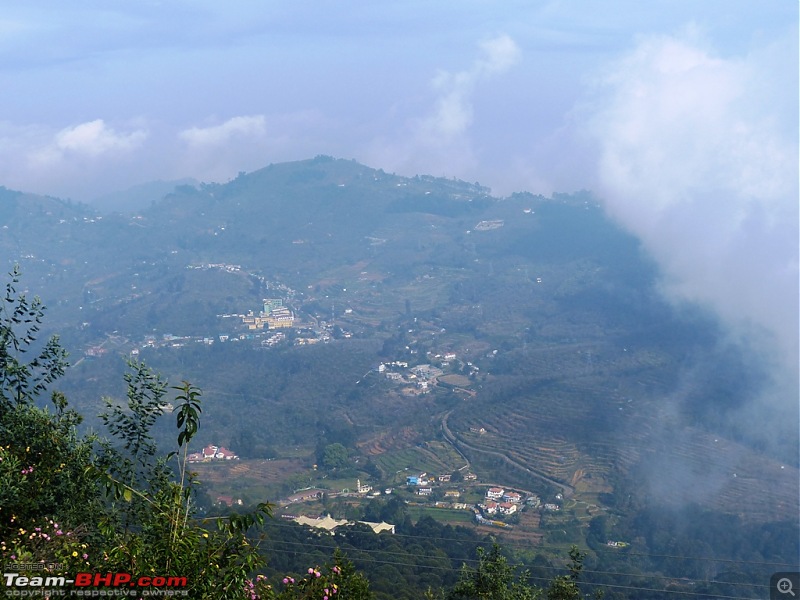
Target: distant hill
583, 379
137, 197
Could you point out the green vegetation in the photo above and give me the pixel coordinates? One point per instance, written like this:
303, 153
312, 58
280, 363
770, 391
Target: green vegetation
334, 456
494, 579
583, 381
436, 458
73, 504
72, 507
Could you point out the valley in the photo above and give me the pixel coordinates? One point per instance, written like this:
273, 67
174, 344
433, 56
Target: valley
425, 327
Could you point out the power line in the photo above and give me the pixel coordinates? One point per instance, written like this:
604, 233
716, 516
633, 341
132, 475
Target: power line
511, 543
588, 583
520, 565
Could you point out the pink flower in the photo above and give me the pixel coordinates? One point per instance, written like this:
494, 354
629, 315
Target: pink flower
310, 570
85, 556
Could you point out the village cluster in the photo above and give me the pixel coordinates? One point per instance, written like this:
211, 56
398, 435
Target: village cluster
275, 323
497, 502
418, 378
267, 327
496, 505
212, 453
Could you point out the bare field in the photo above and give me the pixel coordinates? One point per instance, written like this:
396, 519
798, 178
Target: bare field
256, 470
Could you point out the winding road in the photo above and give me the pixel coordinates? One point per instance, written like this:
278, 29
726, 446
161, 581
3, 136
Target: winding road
567, 490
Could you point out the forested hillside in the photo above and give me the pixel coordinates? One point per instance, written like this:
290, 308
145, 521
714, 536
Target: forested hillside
432, 328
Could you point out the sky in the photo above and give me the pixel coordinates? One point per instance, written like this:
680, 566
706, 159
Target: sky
681, 116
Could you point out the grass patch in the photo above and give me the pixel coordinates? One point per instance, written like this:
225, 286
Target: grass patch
434, 459
445, 515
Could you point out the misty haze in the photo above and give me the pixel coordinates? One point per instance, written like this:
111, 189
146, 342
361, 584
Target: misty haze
453, 301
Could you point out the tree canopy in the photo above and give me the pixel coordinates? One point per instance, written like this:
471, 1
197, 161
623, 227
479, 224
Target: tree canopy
81, 504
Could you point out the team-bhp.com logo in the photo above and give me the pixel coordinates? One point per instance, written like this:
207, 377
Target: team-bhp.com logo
93, 585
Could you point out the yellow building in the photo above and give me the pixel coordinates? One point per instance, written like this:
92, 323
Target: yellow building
279, 318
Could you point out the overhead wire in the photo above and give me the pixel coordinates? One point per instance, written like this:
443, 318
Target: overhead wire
563, 570
617, 552
587, 583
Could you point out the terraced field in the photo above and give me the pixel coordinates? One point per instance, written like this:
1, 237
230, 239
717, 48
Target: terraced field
434, 458
698, 467
575, 432
256, 472
399, 439
547, 435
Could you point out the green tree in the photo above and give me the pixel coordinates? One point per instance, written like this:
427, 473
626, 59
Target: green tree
334, 457
321, 583
23, 382
151, 522
42, 459
495, 579
42, 463
120, 505
492, 579
565, 587
123, 507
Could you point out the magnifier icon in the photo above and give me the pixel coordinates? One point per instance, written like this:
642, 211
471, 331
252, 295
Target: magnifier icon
784, 586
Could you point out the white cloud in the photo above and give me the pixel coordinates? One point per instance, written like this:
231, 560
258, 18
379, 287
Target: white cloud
218, 152
500, 54
74, 161
439, 141
453, 112
246, 126
677, 122
91, 139
95, 138
698, 157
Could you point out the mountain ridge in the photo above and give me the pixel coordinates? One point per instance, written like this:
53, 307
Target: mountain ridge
537, 293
